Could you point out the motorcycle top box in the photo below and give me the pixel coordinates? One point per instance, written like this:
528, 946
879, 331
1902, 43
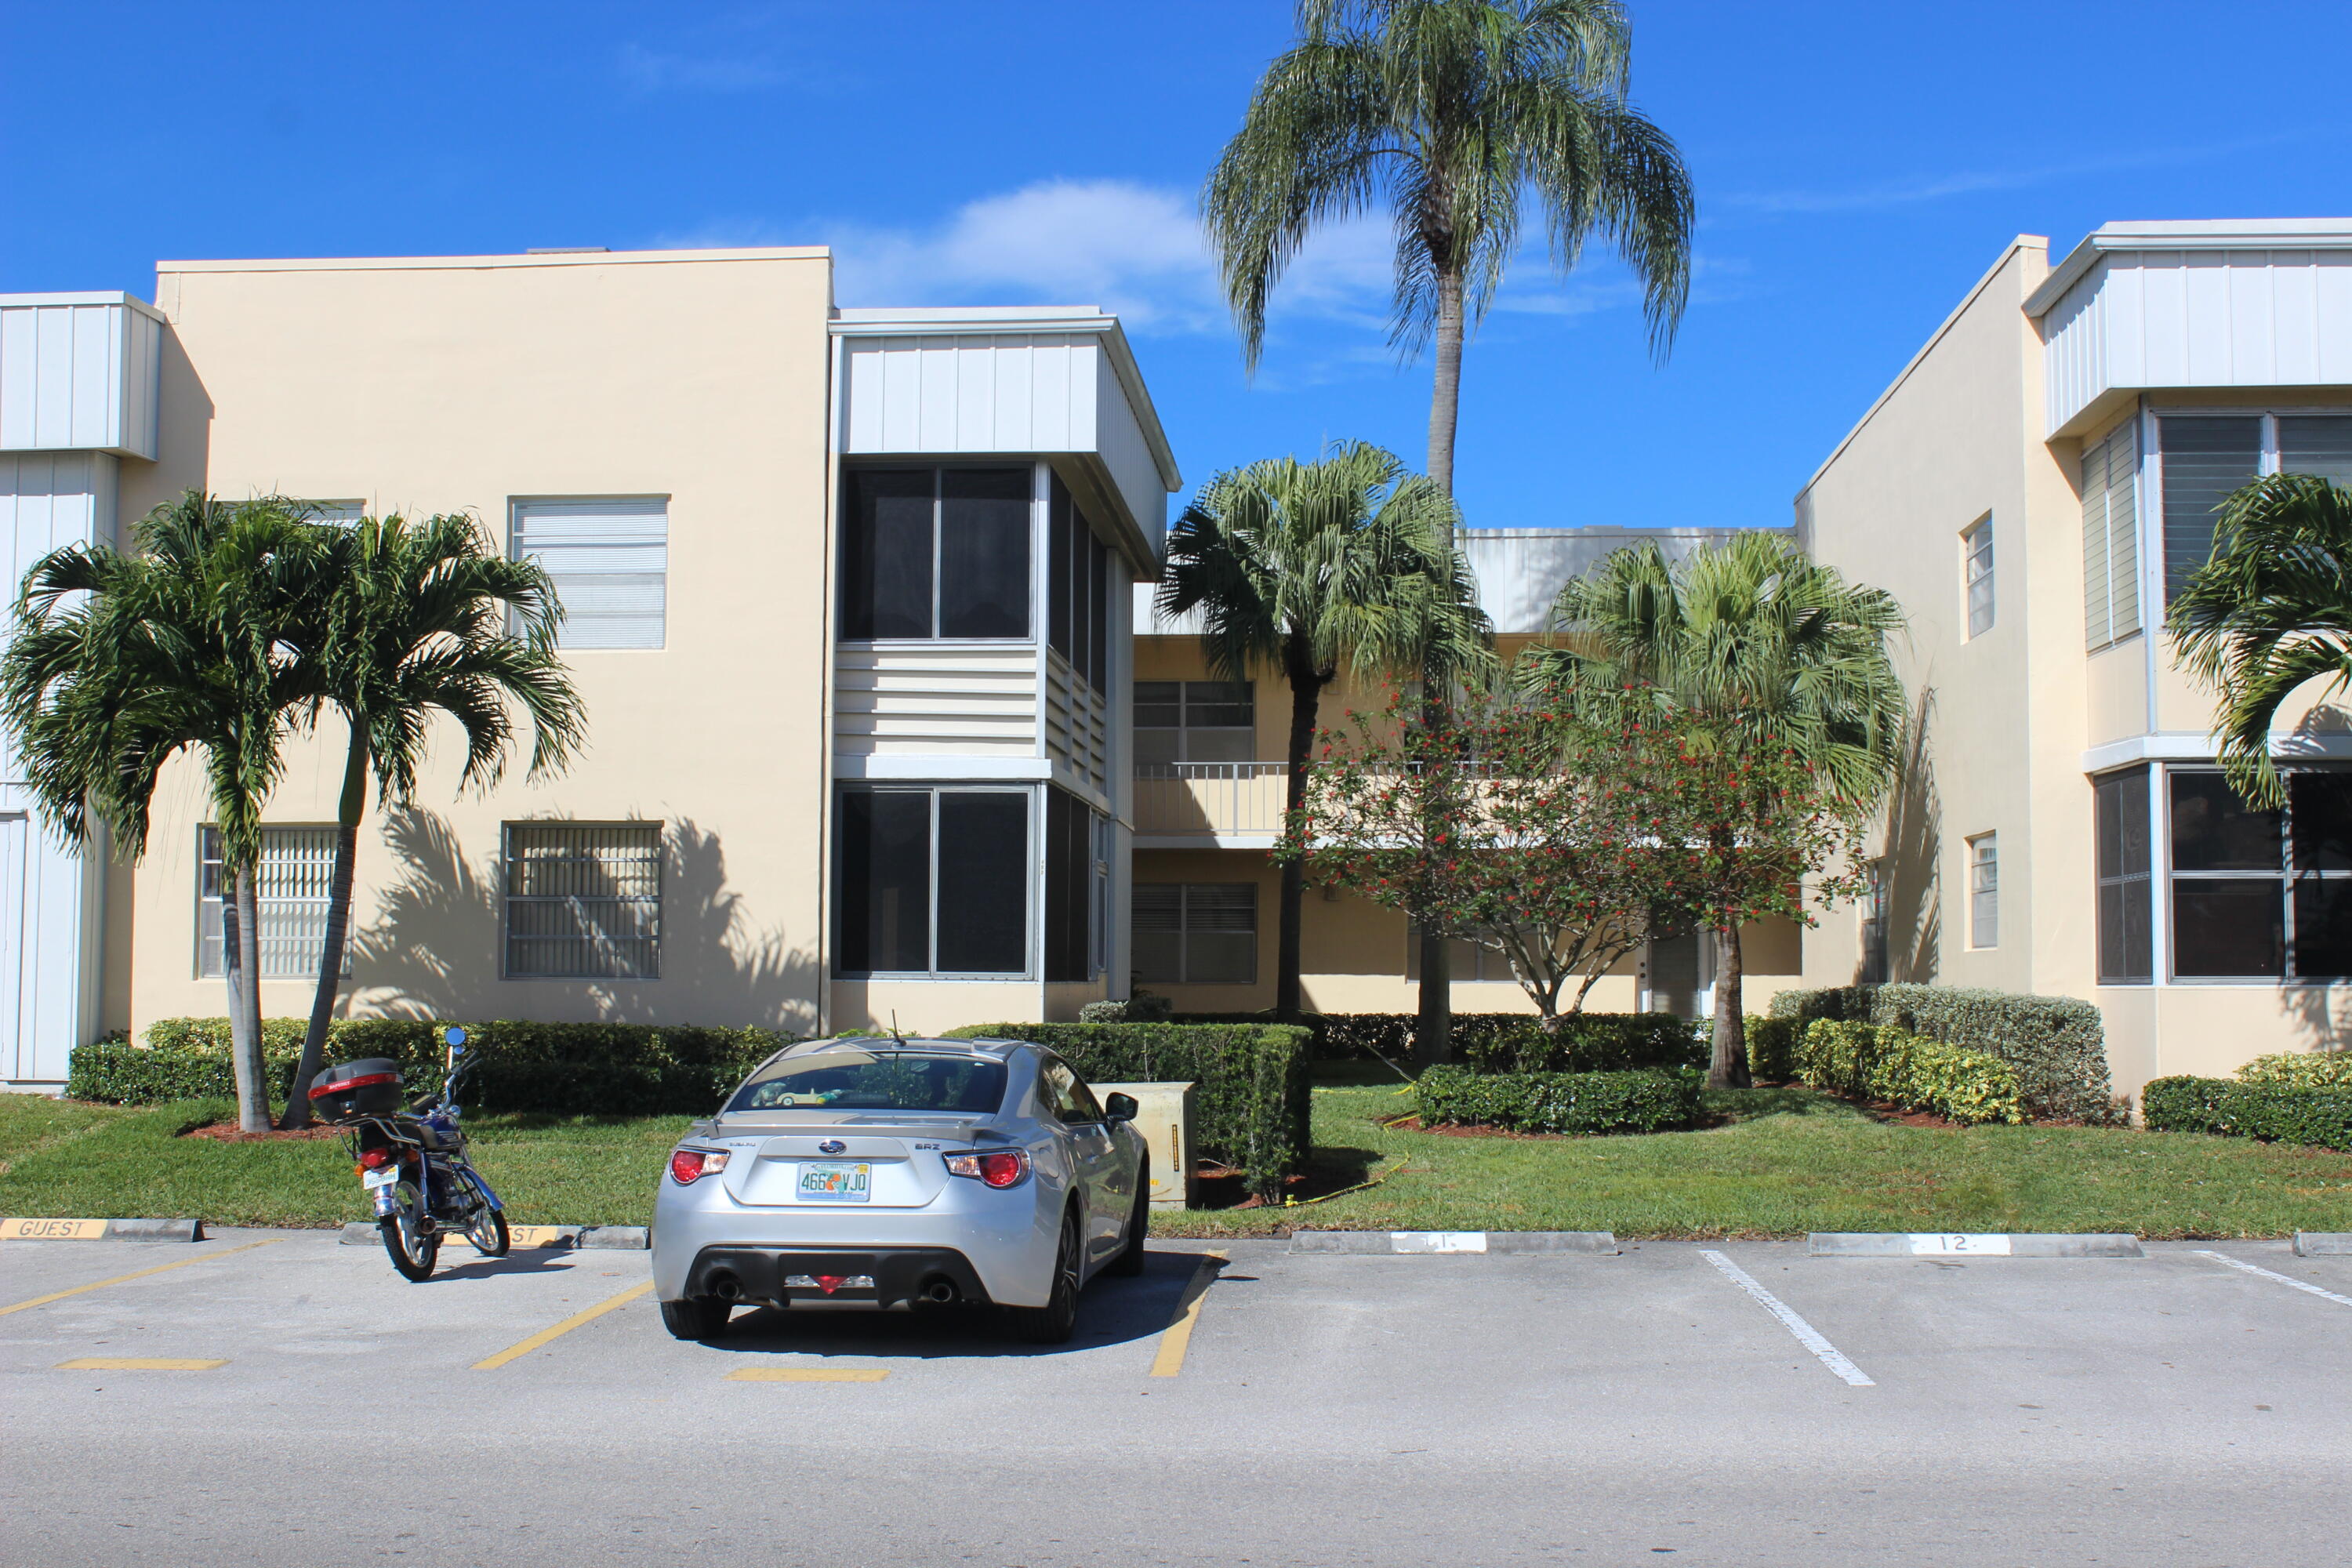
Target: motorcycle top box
370, 1086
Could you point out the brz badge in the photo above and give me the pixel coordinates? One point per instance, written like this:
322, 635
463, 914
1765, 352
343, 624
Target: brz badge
831, 1146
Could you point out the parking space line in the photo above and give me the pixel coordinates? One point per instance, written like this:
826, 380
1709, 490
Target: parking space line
550, 1335
137, 1363
1828, 1355
135, 1273
1177, 1337
2276, 1279
809, 1375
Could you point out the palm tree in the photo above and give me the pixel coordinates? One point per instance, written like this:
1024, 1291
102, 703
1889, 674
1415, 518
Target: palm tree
119, 661
408, 620
1451, 111
1758, 643
1312, 569
2269, 612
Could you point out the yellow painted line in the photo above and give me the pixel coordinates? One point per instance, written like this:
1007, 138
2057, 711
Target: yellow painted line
52, 1230
135, 1273
549, 1336
136, 1364
1177, 1337
809, 1375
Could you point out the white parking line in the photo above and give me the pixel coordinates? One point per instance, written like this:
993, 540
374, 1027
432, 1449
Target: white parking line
2278, 1279
1807, 1335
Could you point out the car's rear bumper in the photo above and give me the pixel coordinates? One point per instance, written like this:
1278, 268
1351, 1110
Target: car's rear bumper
900, 1274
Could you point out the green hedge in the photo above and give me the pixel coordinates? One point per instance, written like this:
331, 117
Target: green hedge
2304, 1069
565, 1069
2055, 1045
1773, 1047
1251, 1105
1508, 1042
2274, 1112
1559, 1102
1910, 1070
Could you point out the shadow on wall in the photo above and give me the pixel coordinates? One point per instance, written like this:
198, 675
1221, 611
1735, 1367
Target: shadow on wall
434, 949
1915, 843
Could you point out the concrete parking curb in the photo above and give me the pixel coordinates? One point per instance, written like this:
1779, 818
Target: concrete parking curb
530, 1237
2323, 1243
1393, 1242
101, 1230
1959, 1243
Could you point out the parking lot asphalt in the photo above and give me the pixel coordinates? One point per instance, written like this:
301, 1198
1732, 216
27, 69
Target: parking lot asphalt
311, 1407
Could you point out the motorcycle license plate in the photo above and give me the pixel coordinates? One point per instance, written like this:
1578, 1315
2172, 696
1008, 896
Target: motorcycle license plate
836, 1183
383, 1178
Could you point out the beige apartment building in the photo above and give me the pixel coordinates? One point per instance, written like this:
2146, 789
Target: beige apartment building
2033, 487
847, 598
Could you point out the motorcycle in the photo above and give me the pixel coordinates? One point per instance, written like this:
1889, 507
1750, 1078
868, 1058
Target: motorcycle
412, 1160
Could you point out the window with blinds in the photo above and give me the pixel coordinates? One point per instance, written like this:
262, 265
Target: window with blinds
2203, 460
293, 884
1984, 890
2111, 537
583, 900
610, 560
1199, 933
1976, 572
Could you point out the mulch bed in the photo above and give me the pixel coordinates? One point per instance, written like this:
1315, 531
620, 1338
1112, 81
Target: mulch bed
229, 1132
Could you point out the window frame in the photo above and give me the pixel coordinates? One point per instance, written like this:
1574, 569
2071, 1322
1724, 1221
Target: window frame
507, 897
1038, 503
207, 835
1184, 933
2156, 564
2289, 877
1033, 893
518, 505
1183, 730
1977, 541
1984, 890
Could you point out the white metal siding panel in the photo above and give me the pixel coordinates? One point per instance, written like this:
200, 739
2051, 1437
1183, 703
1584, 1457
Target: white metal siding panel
1053, 361
902, 396
2123, 323
2205, 323
963, 699
1012, 393
936, 431
1125, 453
94, 417
2253, 319
976, 413
79, 377
143, 375
1013, 369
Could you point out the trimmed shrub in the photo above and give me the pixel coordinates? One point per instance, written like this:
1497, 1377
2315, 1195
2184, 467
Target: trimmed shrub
1773, 1047
2304, 1069
1910, 1070
2273, 1113
1251, 1100
1143, 1007
2055, 1045
1506, 1042
564, 1070
1576, 1102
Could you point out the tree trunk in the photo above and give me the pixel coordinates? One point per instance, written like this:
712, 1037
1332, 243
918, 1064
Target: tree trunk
1432, 1022
1445, 390
1728, 1070
339, 925
1306, 695
241, 961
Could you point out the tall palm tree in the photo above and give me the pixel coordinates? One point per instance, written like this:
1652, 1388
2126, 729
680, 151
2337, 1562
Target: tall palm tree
1346, 564
119, 661
1760, 645
1450, 112
2269, 612
408, 620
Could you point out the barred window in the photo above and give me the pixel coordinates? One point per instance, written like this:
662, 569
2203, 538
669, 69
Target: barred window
292, 886
1196, 932
583, 900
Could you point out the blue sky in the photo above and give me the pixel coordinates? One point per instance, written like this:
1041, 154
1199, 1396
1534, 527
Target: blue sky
1858, 165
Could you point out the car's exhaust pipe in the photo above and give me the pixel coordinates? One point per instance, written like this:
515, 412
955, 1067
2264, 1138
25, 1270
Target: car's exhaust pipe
941, 1293
726, 1286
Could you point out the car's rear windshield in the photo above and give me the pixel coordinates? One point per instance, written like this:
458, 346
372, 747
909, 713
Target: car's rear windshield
874, 1080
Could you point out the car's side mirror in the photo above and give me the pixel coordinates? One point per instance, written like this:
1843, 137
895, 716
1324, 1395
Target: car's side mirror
1120, 1108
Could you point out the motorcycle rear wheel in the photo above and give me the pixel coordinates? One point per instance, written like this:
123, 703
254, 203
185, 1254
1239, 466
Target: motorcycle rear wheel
412, 1247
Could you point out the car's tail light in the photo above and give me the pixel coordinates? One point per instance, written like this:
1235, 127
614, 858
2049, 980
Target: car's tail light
688, 1164
997, 1168
377, 1159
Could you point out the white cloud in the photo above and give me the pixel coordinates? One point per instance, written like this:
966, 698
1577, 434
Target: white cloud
647, 70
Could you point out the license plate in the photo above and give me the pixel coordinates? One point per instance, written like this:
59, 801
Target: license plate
836, 1183
383, 1178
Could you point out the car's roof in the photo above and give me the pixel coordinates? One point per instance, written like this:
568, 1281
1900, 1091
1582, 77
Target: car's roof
918, 1044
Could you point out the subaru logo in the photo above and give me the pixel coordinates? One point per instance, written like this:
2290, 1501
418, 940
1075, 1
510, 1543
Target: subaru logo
831, 1146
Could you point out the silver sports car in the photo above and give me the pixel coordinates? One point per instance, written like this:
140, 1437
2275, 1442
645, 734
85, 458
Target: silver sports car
889, 1171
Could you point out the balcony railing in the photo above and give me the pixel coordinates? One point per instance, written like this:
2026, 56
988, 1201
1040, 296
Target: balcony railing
1205, 798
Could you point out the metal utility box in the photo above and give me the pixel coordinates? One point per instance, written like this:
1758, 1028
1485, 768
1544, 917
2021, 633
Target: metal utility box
1164, 1116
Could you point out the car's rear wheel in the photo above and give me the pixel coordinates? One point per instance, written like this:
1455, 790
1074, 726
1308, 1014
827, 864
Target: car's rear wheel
1053, 1323
1130, 1261
696, 1318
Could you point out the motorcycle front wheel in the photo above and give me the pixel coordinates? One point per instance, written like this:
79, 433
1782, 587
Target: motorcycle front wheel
487, 1232
411, 1246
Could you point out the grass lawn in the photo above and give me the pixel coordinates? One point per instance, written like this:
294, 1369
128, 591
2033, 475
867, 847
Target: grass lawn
1792, 1161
